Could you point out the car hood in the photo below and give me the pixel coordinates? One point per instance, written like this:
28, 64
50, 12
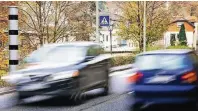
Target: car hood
47, 68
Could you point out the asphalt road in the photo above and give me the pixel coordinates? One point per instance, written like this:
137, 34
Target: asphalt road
115, 101
118, 100
94, 102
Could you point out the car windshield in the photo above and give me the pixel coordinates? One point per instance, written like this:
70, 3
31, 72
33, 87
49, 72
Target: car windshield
66, 54
148, 62
57, 54
38, 55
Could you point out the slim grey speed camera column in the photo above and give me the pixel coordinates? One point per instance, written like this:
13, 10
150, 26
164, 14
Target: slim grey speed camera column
13, 37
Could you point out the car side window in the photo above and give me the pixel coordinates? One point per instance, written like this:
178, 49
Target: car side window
95, 50
92, 51
100, 50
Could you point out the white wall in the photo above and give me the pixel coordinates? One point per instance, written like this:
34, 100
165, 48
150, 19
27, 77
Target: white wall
115, 42
189, 37
105, 42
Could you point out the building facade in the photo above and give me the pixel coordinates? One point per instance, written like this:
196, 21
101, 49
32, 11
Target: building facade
174, 28
118, 44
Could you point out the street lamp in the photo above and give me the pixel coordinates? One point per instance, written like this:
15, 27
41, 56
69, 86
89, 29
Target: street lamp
110, 31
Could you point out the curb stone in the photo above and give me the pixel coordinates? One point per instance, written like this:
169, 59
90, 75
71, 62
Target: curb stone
6, 90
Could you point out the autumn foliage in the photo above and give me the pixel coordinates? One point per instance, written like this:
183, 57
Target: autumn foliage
4, 52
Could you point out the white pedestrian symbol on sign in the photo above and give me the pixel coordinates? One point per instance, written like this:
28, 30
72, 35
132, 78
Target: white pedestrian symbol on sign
104, 21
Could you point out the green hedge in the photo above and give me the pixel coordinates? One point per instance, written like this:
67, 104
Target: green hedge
122, 60
170, 47
179, 47
150, 48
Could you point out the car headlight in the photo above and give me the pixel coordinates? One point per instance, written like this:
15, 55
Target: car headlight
12, 78
62, 75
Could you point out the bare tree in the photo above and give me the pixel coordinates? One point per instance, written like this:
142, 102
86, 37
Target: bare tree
57, 21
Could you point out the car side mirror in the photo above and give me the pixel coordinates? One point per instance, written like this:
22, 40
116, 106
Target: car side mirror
88, 58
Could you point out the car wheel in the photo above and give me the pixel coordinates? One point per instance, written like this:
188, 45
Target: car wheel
21, 96
136, 107
79, 98
106, 91
106, 87
192, 106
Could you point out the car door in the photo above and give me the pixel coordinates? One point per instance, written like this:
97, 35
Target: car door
95, 74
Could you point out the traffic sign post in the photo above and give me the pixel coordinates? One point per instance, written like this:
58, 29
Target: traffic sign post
13, 37
104, 20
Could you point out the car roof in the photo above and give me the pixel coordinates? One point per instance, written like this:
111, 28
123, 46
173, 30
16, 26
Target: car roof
79, 43
167, 51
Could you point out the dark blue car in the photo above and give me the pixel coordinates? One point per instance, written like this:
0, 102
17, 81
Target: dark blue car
165, 77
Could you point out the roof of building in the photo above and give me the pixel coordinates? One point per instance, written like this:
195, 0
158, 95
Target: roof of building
168, 51
183, 20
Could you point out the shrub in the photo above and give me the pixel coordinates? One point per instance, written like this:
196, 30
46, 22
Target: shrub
182, 35
122, 60
179, 47
150, 48
3, 83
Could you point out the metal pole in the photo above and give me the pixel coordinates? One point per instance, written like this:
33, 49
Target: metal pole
111, 40
144, 47
97, 22
13, 37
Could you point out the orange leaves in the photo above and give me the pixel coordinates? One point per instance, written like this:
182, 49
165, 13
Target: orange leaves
3, 53
4, 59
8, 3
3, 39
4, 13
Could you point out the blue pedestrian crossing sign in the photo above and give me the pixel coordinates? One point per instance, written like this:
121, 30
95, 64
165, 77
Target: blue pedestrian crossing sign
104, 20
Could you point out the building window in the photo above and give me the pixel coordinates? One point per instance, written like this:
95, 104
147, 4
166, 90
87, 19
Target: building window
107, 38
172, 39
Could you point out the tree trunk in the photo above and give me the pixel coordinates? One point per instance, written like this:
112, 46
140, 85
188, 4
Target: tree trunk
141, 45
55, 22
40, 24
140, 28
41, 40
